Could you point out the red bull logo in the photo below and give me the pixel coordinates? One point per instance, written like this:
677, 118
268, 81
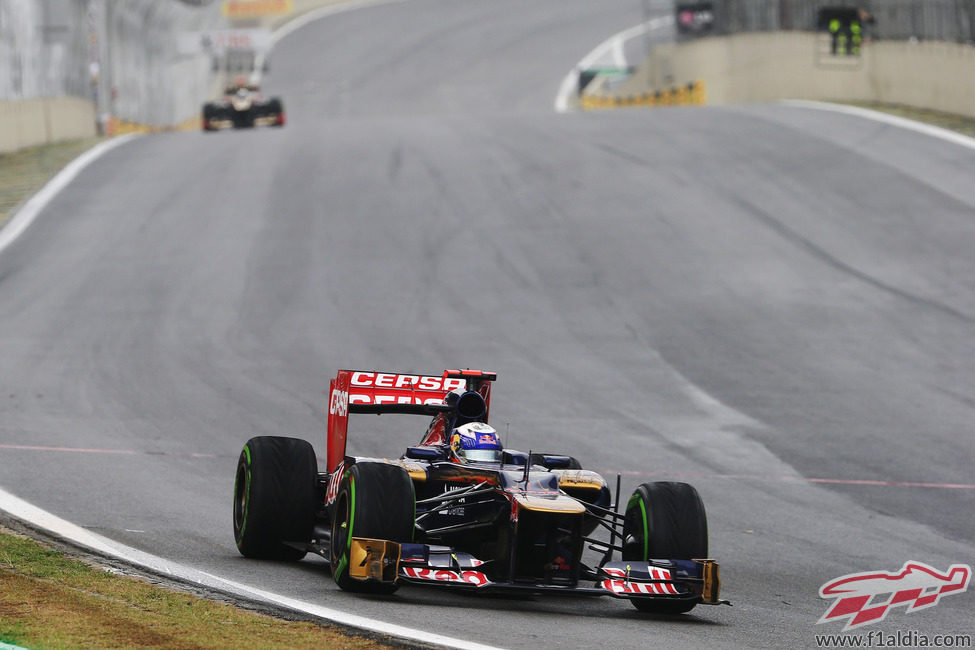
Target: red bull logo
866, 598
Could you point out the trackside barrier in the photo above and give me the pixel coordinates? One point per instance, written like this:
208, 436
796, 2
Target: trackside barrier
27, 122
74, 68
115, 126
692, 93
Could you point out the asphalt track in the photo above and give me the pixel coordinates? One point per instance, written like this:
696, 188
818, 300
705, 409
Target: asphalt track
775, 303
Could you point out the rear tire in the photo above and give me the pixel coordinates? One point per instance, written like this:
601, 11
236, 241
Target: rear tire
375, 501
274, 497
276, 109
665, 520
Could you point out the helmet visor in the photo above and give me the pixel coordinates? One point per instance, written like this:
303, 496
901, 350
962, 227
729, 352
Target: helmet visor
481, 455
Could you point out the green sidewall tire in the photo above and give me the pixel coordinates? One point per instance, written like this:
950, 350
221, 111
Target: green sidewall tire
376, 501
665, 520
274, 497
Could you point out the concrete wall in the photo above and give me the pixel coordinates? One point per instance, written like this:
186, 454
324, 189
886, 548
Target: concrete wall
28, 122
155, 89
768, 66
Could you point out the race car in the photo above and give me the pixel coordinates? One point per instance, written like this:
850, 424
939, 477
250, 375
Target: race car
242, 106
458, 510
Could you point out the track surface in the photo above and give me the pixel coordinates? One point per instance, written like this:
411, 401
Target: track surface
776, 304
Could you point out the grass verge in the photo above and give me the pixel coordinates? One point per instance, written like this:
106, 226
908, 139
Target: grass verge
24, 172
51, 600
957, 123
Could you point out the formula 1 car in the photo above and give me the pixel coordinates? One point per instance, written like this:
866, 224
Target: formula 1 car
495, 521
242, 106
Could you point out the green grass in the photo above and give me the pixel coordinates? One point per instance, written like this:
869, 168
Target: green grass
24, 172
51, 600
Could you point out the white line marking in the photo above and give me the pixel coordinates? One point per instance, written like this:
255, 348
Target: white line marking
38, 518
903, 122
28, 212
611, 48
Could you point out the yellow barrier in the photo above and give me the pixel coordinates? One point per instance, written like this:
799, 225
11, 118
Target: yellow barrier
691, 94
116, 126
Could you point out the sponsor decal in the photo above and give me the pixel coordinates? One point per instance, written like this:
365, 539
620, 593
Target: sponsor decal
237, 9
403, 398
866, 598
365, 387
621, 584
338, 403
695, 17
443, 575
414, 382
333, 483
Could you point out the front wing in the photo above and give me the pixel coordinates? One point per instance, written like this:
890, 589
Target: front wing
384, 561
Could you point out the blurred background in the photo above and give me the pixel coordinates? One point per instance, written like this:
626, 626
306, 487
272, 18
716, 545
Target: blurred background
75, 68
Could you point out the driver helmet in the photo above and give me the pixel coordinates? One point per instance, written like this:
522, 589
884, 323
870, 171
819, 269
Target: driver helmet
475, 442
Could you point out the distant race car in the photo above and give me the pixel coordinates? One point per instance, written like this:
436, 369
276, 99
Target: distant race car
242, 106
460, 511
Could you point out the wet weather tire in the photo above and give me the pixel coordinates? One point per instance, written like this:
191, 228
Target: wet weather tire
274, 497
375, 501
665, 520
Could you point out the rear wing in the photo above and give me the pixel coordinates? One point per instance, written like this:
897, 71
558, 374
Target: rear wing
365, 391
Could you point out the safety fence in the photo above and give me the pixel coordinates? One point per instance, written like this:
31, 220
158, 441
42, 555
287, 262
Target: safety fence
936, 20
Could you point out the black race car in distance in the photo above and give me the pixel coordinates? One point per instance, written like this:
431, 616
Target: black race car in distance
242, 106
485, 520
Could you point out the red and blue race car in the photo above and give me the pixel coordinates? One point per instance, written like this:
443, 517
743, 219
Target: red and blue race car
458, 510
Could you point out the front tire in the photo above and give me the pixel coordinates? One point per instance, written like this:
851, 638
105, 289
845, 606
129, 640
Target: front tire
665, 520
375, 501
274, 497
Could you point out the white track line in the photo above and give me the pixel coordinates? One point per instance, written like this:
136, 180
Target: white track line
894, 120
25, 216
611, 48
60, 528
